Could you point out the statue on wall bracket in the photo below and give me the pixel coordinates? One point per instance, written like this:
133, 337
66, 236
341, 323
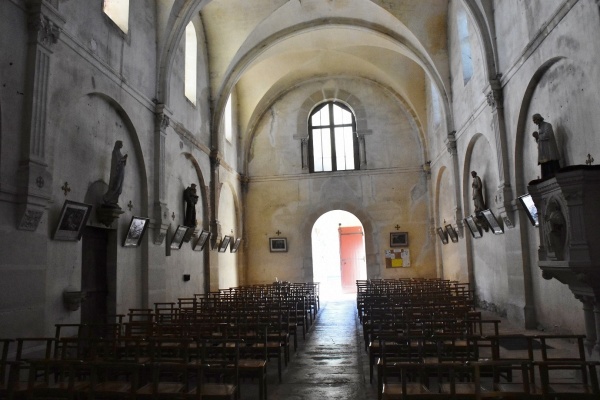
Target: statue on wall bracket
109, 210
190, 197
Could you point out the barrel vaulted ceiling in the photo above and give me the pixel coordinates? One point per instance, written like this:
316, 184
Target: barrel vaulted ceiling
261, 48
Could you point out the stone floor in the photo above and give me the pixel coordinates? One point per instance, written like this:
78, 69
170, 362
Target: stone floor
332, 363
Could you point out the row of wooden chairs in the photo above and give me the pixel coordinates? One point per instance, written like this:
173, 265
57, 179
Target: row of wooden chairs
488, 379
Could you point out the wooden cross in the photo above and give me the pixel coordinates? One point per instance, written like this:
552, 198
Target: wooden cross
130, 205
589, 160
278, 232
397, 226
66, 189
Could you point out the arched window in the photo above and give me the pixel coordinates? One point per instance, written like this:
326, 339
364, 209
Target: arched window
118, 12
228, 120
191, 61
333, 144
465, 45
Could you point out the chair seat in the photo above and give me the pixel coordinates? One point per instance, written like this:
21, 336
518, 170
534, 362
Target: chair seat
251, 363
162, 387
215, 389
112, 387
571, 388
395, 389
462, 388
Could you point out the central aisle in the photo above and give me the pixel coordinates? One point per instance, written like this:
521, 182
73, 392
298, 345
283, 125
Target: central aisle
331, 363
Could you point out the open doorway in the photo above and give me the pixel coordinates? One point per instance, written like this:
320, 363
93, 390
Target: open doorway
338, 250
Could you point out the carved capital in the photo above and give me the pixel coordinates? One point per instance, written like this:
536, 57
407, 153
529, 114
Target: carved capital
215, 158
46, 32
451, 143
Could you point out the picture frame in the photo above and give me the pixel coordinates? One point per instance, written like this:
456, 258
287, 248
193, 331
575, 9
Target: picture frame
224, 243
73, 217
278, 245
475, 229
530, 209
201, 241
135, 232
493, 222
442, 234
235, 245
398, 239
178, 236
452, 233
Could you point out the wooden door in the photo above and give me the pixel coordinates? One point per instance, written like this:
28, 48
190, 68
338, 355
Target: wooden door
94, 282
351, 255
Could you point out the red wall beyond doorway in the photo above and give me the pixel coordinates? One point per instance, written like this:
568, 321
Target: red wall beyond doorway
351, 253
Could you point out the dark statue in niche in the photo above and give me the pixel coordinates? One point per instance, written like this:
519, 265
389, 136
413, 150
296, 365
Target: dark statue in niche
191, 198
477, 187
555, 230
548, 156
117, 176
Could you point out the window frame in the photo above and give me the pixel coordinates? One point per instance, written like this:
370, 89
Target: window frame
331, 126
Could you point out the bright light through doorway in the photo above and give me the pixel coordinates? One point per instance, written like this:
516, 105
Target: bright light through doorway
326, 253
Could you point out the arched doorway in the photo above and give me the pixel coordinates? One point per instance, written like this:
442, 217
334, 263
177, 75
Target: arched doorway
338, 249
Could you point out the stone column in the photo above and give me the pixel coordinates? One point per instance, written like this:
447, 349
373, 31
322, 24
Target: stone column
211, 277
362, 147
597, 329
161, 210
452, 149
35, 180
504, 196
590, 321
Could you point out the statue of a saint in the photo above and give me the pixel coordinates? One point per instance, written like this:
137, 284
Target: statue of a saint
548, 156
117, 175
477, 187
191, 198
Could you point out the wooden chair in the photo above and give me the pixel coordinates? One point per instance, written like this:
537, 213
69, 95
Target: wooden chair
254, 355
114, 380
423, 381
492, 380
569, 379
4, 366
167, 381
54, 379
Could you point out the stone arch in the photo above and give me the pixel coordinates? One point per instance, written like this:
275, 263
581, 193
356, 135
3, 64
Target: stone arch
246, 57
332, 94
226, 281
371, 252
523, 120
490, 181
437, 218
344, 96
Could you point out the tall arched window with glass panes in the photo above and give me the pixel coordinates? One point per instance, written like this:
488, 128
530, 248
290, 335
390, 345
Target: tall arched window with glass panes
333, 143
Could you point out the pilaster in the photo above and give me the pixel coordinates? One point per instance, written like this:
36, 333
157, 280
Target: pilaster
35, 180
161, 211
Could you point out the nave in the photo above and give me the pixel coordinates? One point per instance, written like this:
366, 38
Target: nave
335, 357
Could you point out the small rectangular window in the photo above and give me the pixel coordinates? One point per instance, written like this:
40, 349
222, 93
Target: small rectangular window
118, 12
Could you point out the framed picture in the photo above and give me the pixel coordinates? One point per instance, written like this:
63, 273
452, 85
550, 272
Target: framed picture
235, 245
473, 227
224, 243
493, 222
452, 233
177, 239
442, 234
73, 218
136, 230
398, 239
530, 209
278, 244
199, 243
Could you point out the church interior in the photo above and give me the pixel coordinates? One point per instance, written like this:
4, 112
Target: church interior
157, 151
